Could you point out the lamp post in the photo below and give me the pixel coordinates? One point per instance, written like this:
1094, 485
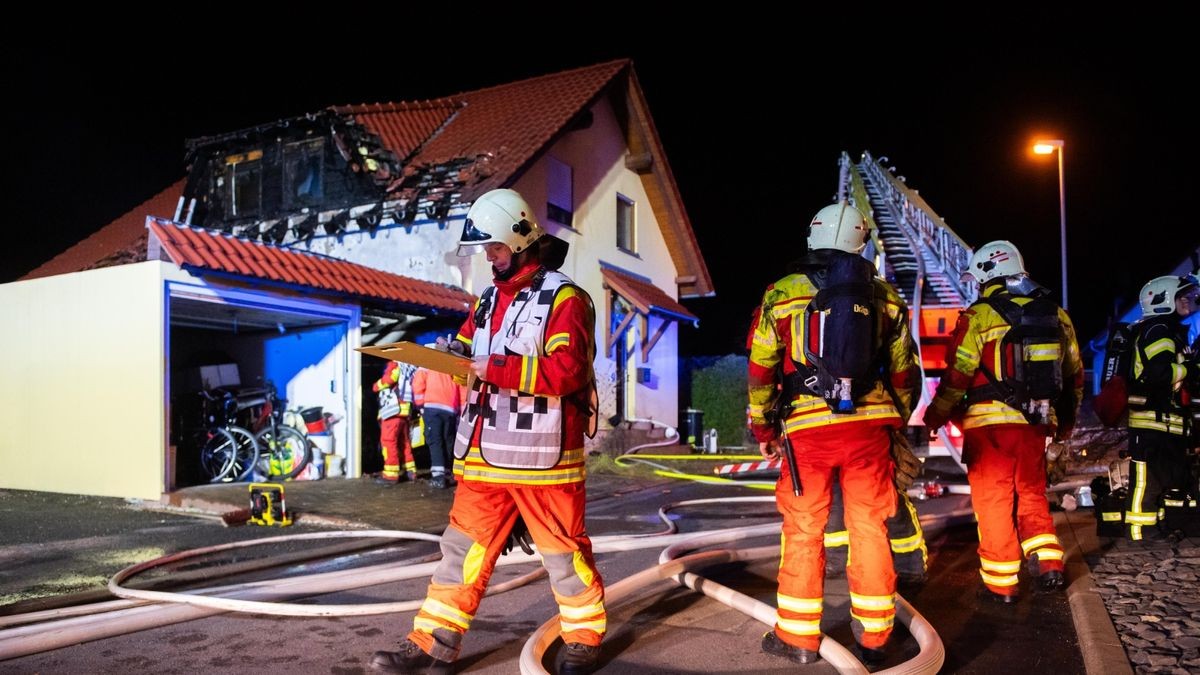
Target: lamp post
1045, 148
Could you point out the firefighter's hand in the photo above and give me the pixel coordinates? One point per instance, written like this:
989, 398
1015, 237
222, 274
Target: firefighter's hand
479, 366
519, 536
908, 467
1056, 463
933, 422
449, 344
769, 449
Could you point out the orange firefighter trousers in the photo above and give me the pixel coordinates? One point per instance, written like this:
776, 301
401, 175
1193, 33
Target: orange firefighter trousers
480, 520
1006, 467
861, 453
393, 438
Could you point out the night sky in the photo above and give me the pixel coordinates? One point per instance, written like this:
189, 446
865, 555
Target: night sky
752, 130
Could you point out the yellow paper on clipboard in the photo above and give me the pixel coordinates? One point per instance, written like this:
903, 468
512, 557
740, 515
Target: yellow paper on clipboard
418, 355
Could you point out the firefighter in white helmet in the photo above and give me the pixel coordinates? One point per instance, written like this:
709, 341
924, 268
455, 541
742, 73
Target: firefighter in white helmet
518, 450
1014, 377
837, 416
1159, 417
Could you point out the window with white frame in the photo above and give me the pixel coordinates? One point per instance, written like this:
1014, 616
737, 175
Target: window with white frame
626, 225
560, 196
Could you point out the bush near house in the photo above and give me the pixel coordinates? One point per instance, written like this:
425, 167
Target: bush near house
718, 387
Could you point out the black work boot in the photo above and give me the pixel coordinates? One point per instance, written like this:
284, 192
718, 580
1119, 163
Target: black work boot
1050, 582
986, 593
409, 659
871, 657
771, 644
576, 658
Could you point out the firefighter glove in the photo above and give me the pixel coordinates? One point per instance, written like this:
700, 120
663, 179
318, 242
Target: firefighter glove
519, 537
908, 467
1056, 463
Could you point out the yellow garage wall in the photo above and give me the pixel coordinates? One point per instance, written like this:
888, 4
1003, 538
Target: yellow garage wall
82, 373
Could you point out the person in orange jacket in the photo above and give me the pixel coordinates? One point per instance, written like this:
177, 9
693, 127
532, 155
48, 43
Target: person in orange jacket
395, 408
1017, 370
438, 398
851, 443
518, 451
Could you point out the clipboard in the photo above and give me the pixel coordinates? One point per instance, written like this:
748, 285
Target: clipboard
418, 355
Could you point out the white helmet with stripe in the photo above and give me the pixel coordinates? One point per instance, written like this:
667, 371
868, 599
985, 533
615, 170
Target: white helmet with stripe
995, 260
839, 226
499, 216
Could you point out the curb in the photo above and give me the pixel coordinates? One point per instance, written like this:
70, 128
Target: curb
1098, 640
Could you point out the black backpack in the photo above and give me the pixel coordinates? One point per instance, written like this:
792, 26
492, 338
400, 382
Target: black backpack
841, 341
1030, 368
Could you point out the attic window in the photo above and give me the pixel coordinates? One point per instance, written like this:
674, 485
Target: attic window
560, 197
303, 177
243, 181
626, 225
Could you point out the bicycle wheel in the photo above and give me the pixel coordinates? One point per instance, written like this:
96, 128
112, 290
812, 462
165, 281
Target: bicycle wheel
246, 457
217, 455
285, 452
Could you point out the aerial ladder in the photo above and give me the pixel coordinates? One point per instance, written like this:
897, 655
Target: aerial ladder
915, 250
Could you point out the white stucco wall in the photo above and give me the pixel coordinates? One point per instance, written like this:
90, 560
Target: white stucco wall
83, 382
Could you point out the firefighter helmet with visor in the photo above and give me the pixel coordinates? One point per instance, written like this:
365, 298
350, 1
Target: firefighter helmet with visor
1158, 295
499, 216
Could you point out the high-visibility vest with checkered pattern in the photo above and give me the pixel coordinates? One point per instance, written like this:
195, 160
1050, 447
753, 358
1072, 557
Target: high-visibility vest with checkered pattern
520, 430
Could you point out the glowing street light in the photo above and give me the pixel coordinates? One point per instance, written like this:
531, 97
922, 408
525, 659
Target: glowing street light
1046, 147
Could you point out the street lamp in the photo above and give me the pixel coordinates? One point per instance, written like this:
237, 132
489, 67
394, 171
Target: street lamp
1045, 148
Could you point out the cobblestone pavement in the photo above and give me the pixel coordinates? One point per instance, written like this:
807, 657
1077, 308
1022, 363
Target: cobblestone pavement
1152, 595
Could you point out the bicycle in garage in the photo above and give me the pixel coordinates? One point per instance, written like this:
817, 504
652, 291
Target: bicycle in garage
284, 449
228, 452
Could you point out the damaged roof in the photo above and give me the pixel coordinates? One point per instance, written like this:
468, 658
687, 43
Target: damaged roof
205, 250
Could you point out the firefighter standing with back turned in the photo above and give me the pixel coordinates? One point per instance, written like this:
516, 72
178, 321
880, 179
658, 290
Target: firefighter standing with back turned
1159, 415
1016, 368
519, 447
835, 424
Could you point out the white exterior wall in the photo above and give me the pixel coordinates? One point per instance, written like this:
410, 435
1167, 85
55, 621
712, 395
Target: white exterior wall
83, 383
597, 158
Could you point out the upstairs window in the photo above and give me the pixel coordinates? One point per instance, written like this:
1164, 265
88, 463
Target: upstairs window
560, 196
303, 179
243, 184
626, 225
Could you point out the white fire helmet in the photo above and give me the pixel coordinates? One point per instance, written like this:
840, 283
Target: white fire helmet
839, 226
995, 260
1158, 295
499, 216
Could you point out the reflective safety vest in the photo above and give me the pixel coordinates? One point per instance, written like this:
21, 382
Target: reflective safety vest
1156, 389
520, 430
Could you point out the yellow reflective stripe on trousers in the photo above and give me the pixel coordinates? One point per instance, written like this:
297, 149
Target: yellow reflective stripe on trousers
873, 601
1001, 567
575, 613
873, 624
1007, 580
1139, 493
908, 544
799, 605
598, 625
1049, 554
834, 539
1037, 541
447, 613
799, 626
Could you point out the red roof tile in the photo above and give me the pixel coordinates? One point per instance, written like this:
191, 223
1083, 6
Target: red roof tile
126, 233
404, 126
644, 295
205, 249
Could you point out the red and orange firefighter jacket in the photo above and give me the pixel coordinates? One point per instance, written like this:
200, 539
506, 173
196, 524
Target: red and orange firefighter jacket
1159, 425
395, 407
856, 444
519, 451
1004, 453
